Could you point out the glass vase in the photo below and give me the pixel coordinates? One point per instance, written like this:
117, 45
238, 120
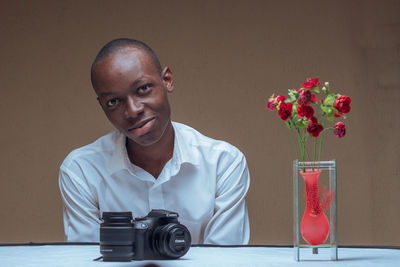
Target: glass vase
315, 209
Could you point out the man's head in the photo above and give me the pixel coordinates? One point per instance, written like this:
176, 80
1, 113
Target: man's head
119, 44
132, 90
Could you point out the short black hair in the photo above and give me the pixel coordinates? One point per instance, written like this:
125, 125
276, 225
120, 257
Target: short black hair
117, 45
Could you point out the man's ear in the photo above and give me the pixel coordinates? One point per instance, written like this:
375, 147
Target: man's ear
168, 79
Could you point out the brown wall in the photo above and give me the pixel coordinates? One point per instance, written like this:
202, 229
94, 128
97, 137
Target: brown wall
228, 57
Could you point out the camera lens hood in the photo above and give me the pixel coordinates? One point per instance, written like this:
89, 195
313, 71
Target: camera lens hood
172, 240
116, 218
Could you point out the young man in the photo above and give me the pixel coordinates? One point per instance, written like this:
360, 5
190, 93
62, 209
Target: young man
150, 162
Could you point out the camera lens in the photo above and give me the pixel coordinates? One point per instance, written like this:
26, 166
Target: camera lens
116, 236
172, 240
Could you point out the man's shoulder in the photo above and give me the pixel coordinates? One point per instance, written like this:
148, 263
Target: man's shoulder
103, 148
196, 140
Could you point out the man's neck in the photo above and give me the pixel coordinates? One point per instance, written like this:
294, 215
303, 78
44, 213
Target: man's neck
154, 157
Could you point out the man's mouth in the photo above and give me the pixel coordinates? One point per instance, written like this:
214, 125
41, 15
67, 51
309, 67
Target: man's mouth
142, 127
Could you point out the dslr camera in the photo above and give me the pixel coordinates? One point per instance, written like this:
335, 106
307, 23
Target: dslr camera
159, 235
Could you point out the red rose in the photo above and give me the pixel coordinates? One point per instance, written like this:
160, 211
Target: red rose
285, 110
305, 111
313, 127
304, 96
271, 104
342, 104
314, 98
312, 120
340, 129
311, 83
280, 98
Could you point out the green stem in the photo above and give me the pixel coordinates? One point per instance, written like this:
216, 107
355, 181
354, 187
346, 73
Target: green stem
304, 143
320, 144
315, 152
300, 138
320, 150
294, 143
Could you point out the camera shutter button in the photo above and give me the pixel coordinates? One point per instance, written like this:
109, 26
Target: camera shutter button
141, 226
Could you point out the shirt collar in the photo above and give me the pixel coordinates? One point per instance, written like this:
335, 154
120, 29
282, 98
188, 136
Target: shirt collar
183, 149
182, 152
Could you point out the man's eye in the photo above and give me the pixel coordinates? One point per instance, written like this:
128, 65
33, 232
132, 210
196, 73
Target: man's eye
143, 89
112, 102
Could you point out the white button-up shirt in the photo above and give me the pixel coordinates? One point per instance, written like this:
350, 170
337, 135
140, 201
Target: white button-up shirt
205, 181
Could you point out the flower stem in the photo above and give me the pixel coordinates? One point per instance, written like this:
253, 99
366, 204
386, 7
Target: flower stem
320, 145
320, 150
304, 143
315, 152
294, 143
301, 145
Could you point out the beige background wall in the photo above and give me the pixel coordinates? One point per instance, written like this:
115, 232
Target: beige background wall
228, 57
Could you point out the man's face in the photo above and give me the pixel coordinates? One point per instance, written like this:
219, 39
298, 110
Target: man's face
133, 95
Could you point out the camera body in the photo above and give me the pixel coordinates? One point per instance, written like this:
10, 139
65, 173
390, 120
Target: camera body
159, 235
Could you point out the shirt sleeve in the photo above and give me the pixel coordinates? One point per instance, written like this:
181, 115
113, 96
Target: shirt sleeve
80, 209
230, 222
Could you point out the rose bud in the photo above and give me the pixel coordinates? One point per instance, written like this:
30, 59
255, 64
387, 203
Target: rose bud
340, 129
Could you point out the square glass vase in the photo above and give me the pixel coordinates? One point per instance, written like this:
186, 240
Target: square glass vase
315, 210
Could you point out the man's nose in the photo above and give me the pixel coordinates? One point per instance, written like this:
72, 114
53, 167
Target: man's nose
133, 107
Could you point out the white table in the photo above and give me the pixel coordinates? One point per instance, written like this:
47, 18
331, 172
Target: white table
83, 255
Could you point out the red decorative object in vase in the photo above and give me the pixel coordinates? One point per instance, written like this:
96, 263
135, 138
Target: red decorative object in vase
314, 226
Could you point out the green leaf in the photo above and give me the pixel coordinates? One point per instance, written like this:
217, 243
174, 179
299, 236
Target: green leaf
330, 117
276, 103
292, 95
294, 109
292, 92
330, 99
315, 89
327, 110
301, 123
